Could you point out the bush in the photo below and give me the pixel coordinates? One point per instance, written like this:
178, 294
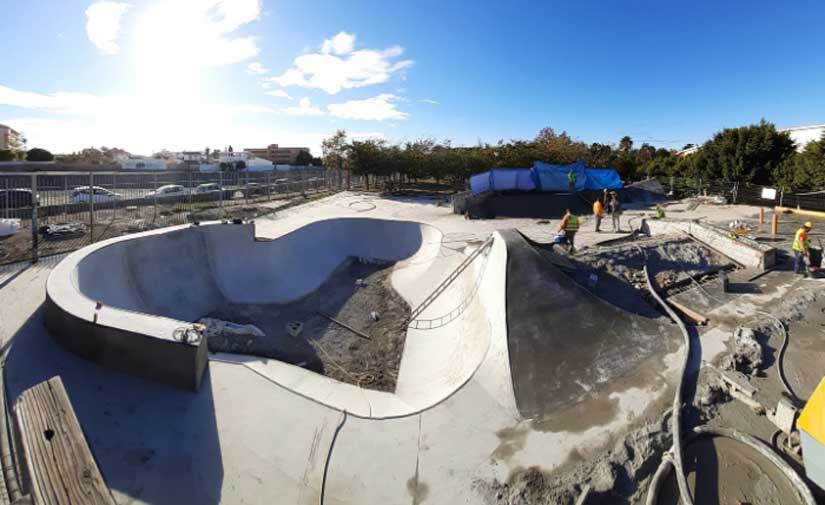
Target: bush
37, 154
7, 155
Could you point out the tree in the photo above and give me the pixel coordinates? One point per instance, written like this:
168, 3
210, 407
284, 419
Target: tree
805, 169
37, 154
747, 154
230, 150
303, 158
626, 144
334, 150
7, 155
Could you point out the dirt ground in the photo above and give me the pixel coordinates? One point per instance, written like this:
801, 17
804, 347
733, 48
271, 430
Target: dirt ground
350, 295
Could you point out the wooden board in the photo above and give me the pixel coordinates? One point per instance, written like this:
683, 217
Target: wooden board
61, 468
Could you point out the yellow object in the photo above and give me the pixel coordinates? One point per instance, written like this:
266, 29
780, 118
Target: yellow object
572, 223
809, 224
812, 418
800, 244
801, 212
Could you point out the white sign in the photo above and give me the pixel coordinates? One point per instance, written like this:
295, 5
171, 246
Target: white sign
769, 193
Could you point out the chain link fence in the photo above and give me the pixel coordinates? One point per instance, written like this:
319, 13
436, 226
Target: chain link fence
48, 213
745, 193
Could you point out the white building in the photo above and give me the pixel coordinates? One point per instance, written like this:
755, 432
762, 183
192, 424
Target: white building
803, 135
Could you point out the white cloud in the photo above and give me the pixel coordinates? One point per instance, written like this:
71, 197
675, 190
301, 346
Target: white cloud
195, 33
342, 43
427, 100
305, 108
279, 93
103, 24
377, 108
345, 69
255, 68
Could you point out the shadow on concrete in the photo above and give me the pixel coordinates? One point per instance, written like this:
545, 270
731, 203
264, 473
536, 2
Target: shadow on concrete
153, 443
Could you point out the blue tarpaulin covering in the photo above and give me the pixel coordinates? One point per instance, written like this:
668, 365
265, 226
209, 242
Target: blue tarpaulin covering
555, 177
544, 177
601, 178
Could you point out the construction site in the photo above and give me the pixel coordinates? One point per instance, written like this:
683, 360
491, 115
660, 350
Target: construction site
363, 347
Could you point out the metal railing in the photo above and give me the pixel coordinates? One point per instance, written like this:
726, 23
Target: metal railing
57, 212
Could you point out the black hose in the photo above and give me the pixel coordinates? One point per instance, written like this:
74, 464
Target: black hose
684, 490
329, 456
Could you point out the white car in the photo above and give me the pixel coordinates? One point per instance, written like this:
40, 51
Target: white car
169, 190
211, 187
99, 195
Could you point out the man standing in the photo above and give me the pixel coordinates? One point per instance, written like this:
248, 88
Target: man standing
571, 181
598, 210
605, 198
615, 212
569, 226
800, 249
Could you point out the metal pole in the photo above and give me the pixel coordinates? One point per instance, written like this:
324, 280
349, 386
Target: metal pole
155, 197
269, 186
220, 187
6, 199
191, 210
91, 207
34, 218
781, 194
66, 195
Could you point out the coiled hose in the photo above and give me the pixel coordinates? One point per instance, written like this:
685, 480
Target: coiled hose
803, 491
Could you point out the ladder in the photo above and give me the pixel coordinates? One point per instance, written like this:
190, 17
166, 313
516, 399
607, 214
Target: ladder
449, 280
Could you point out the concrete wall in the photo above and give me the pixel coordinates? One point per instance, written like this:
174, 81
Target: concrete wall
747, 252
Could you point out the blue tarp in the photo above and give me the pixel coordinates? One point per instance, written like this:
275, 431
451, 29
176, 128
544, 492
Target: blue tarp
479, 183
545, 177
554, 177
601, 178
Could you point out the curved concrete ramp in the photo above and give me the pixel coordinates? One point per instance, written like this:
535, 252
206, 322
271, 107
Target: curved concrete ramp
564, 341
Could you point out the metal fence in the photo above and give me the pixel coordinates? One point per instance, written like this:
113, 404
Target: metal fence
746, 193
57, 212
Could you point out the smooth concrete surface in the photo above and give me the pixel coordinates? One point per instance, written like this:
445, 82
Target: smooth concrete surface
244, 438
151, 284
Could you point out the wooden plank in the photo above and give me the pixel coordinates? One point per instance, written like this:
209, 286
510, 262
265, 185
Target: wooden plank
61, 467
697, 317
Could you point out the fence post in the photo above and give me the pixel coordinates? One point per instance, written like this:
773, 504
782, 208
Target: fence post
269, 186
191, 209
65, 195
735, 190
34, 217
91, 207
220, 186
781, 194
6, 199
155, 197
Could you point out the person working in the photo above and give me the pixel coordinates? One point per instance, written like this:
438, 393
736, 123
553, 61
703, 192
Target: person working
800, 249
571, 181
569, 227
615, 211
660, 211
598, 210
605, 198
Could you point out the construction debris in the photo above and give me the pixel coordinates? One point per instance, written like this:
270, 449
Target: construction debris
747, 355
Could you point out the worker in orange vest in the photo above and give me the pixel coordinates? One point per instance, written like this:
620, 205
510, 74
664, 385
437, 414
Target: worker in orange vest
598, 212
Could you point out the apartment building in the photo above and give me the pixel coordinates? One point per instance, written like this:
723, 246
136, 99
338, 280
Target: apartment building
9, 137
278, 155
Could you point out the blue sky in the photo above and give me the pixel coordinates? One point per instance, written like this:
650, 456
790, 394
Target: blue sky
147, 75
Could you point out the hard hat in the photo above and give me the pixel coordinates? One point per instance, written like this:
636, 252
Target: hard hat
809, 224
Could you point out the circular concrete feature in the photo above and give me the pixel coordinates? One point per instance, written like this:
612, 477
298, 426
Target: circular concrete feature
124, 302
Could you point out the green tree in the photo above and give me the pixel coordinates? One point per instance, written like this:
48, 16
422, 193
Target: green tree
7, 155
38, 154
334, 150
303, 158
747, 154
805, 169
626, 144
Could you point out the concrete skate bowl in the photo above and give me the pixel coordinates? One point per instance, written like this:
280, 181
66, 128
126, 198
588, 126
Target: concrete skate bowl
565, 343
125, 302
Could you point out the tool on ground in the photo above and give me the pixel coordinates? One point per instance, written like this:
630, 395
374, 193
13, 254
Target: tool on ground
345, 326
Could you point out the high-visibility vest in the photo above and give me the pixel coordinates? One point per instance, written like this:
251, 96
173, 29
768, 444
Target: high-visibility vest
571, 177
597, 208
801, 240
572, 223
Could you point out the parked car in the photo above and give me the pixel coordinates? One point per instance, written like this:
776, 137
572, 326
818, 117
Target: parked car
16, 198
168, 191
253, 188
210, 187
99, 195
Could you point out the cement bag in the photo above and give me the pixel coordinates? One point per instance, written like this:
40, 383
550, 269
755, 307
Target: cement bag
9, 227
